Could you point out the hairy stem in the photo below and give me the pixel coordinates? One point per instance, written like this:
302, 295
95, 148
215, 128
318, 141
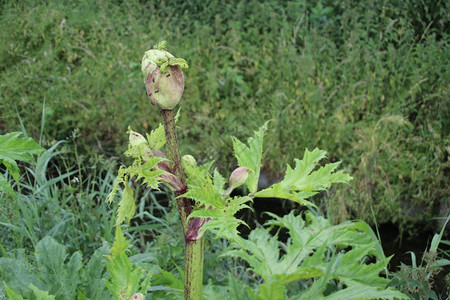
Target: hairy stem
194, 270
184, 206
193, 284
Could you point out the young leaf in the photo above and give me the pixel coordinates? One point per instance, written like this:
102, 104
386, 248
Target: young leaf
157, 138
127, 206
120, 243
148, 172
125, 279
201, 187
302, 182
250, 156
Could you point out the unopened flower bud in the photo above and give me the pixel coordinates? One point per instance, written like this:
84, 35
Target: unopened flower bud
136, 138
189, 160
164, 79
137, 296
238, 177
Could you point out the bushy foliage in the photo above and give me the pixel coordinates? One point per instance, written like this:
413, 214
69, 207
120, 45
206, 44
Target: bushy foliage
327, 73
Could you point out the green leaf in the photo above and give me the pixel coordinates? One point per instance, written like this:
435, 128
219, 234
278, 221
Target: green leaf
12, 167
250, 156
302, 182
93, 275
62, 279
18, 274
5, 186
219, 182
125, 278
144, 168
157, 138
210, 202
362, 291
40, 294
127, 206
12, 147
315, 251
278, 191
50, 257
236, 288
12, 295
120, 243
201, 187
273, 290
161, 46
121, 178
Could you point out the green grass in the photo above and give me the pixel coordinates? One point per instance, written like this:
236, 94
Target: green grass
333, 75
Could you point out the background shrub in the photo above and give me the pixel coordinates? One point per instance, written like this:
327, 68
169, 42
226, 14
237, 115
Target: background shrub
368, 82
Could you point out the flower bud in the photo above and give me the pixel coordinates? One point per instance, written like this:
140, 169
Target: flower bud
189, 160
238, 177
164, 79
136, 138
152, 59
137, 296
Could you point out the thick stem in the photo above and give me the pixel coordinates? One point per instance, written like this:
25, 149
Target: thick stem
184, 206
193, 283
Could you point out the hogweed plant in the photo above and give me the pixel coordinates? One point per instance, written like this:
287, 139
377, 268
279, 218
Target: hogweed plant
316, 254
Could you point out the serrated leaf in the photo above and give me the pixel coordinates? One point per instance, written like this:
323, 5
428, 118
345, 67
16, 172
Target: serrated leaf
120, 179
273, 290
157, 138
277, 191
18, 274
94, 275
361, 291
219, 182
302, 182
304, 256
148, 172
250, 156
125, 279
72, 277
303, 167
12, 167
127, 206
61, 279
12, 146
40, 294
201, 188
224, 223
207, 213
50, 257
120, 243
12, 295
301, 273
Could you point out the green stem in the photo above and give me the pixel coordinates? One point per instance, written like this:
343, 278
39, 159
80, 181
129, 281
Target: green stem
193, 284
183, 204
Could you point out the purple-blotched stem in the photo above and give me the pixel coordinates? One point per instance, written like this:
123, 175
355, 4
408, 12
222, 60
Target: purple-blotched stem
193, 283
184, 206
